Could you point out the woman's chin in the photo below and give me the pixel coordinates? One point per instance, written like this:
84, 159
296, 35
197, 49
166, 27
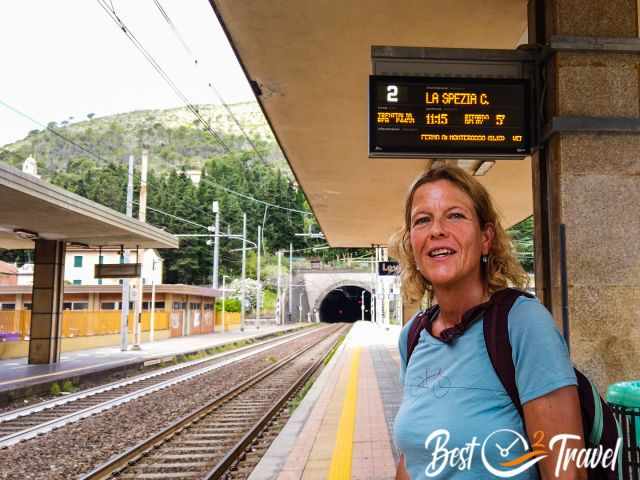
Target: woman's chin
440, 281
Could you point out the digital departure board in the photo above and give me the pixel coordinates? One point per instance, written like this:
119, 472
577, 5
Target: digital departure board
448, 117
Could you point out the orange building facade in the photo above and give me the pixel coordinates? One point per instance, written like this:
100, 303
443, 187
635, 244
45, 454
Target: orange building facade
92, 315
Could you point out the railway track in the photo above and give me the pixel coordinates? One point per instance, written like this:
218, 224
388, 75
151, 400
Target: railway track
25, 423
222, 439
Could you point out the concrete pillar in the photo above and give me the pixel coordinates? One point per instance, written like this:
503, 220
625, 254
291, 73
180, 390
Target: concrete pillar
408, 311
48, 291
19, 301
187, 316
590, 181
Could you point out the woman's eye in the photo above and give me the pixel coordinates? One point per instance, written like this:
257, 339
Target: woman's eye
456, 215
420, 220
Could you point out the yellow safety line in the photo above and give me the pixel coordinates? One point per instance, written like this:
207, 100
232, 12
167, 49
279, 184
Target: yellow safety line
341, 460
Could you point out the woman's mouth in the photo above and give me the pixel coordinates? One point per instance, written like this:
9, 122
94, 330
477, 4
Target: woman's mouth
441, 252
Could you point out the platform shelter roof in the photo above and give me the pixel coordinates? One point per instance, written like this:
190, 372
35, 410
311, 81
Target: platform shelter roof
311, 62
32, 208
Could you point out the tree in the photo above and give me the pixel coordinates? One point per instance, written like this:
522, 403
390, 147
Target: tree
522, 237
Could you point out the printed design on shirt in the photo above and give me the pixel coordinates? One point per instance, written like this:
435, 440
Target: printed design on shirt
436, 383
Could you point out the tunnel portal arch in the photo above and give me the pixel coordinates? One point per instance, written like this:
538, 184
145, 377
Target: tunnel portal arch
341, 302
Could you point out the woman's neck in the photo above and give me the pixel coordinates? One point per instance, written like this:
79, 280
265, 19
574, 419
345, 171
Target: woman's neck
454, 303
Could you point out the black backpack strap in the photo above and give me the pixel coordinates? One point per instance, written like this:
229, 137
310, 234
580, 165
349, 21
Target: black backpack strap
418, 324
496, 338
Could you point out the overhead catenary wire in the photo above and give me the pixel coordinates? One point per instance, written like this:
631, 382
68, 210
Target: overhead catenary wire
157, 210
186, 47
248, 197
110, 10
54, 132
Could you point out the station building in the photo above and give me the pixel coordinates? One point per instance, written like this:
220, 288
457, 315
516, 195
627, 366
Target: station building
91, 315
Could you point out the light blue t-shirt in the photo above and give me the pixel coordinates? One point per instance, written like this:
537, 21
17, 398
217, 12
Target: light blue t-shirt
454, 399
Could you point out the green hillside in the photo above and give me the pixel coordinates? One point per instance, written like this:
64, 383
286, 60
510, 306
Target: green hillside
174, 137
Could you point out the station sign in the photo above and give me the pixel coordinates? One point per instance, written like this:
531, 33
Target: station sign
118, 270
388, 268
448, 117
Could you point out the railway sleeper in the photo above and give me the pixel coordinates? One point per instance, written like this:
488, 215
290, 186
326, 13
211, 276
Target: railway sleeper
209, 455
178, 466
162, 475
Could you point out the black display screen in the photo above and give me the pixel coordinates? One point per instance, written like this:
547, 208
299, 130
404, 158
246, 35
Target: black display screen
421, 116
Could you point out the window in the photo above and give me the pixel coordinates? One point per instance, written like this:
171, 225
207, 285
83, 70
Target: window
159, 305
77, 282
26, 305
77, 261
120, 281
7, 306
208, 306
195, 306
66, 306
108, 305
80, 305
100, 258
99, 281
179, 306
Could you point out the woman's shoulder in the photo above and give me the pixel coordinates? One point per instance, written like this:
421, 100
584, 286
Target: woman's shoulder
404, 333
529, 320
529, 310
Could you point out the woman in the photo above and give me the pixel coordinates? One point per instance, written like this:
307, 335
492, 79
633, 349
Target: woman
455, 416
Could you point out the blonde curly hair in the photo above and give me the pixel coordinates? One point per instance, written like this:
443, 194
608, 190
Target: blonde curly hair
502, 268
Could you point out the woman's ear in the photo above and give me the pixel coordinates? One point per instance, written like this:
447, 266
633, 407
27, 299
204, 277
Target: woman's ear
488, 234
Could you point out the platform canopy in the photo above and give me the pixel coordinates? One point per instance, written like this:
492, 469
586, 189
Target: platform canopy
31, 208
311, 62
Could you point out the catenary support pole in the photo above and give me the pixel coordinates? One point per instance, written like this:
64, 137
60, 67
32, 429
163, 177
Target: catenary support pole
124, 304
216, 244
244, 270
142, 216
300, 307
290, 281
152, 307
258, 287
279, 295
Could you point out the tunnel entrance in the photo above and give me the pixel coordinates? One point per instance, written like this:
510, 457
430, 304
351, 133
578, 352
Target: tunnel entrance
343, 304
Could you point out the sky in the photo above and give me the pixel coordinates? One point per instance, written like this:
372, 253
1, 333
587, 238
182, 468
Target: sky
68, 58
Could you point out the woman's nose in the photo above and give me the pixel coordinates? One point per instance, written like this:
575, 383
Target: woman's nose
436, 229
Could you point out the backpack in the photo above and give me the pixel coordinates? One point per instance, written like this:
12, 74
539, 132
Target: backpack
598, 421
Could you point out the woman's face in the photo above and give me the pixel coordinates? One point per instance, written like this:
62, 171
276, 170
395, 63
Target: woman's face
446, 238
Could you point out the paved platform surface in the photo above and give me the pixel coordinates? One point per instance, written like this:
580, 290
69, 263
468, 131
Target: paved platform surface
342, 428
17, 374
